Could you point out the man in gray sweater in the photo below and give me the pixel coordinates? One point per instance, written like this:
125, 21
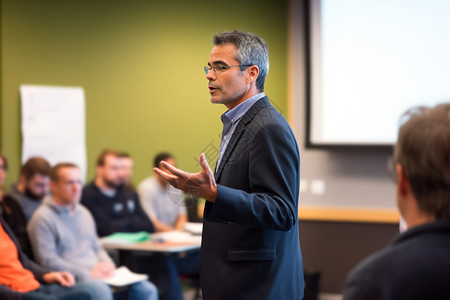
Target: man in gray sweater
63, 235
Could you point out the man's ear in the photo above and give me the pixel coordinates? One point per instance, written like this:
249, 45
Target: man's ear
22, 179
98, 170
402, 181
252, 73
52, 185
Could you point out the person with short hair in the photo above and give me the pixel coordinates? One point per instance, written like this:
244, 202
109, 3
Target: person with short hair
20, 277
127, 169
63, 236
33, 185
416, 264
116, 208
162, 202
250, 240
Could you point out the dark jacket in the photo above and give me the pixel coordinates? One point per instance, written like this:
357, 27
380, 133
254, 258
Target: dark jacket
38, 271
13, 215
415, 266
250, 244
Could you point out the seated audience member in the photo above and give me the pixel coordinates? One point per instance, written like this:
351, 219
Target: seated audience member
114, 208
20, 278
117, 209
12, 213
33, 185
126, 169
163, 203
416, 264
63, 235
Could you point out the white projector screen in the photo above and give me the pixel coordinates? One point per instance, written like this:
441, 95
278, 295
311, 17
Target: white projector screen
369, 62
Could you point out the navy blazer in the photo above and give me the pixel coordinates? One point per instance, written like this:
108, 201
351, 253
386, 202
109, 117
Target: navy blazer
250, 243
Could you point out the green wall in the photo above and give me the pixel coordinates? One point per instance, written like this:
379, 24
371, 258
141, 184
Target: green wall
140, 64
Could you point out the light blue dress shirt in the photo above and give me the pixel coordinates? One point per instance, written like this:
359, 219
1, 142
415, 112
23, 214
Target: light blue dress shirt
230, 120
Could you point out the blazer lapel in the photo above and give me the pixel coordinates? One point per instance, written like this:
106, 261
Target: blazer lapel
246, 118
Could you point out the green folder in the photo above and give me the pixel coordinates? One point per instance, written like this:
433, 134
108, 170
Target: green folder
129, 237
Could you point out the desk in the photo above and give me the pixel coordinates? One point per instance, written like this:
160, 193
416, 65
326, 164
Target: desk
163, 262
193, 242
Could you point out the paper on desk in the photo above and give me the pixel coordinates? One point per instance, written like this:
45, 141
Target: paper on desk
194, 228
127, 237
175, 237
123, 276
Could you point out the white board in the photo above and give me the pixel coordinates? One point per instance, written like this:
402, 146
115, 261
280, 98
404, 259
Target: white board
53, 124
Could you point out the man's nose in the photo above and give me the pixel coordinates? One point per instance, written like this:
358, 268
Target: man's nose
211, 75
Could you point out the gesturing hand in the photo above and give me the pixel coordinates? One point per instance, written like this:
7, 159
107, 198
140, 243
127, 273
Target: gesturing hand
63, 278
201, 184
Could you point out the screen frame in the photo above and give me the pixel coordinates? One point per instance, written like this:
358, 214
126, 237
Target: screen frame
312, 6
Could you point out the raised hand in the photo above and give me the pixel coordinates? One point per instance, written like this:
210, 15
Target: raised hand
201, 184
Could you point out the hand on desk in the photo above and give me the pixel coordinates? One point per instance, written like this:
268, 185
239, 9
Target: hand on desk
103, 270
201, 184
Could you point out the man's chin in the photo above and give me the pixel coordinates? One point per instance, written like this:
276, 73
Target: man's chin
112, 184
215, 100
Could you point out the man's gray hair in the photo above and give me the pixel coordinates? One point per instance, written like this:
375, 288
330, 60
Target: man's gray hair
423, 150
250, 50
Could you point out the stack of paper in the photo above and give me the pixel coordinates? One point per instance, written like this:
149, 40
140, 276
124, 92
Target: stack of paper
194, 228
175, 237
123, 276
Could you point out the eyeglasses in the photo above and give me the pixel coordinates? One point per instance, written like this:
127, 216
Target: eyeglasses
220, 68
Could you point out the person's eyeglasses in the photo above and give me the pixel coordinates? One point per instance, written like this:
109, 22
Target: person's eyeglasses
220, 68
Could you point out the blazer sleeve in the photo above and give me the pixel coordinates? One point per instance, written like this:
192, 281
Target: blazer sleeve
272, 201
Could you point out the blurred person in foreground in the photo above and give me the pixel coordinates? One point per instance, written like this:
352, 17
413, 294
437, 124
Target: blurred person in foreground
417, 262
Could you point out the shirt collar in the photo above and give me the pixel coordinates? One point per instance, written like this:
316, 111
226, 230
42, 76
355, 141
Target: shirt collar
60, 209
236, 113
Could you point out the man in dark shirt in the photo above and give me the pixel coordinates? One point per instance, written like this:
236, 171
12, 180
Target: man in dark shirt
416, 264
116, 208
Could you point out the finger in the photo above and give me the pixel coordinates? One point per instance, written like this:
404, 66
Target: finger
171, 179
204, 163
70, 279
61, 280
175, 170
164, 175
207, 169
